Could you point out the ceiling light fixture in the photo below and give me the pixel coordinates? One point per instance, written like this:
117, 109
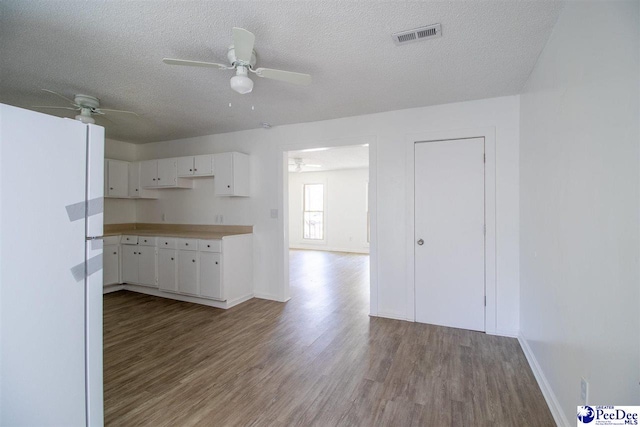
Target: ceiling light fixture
240, 82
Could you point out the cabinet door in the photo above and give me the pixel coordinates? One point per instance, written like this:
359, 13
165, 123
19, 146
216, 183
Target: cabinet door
129, 264
167, 172
147, 265
110, 263
167, 271
188, 272
118, 177
203, 165
149, 173
185, 166
211, 275
134, 179
223, 182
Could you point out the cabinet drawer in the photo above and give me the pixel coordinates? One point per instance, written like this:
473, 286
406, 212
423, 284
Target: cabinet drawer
146, 241
210, 245
111, 240
129, 240
188, 244
167, 243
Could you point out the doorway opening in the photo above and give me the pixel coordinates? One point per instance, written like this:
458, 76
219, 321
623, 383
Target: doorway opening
329, 225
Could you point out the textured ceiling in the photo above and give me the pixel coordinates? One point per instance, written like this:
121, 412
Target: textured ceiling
349, 157
113, 50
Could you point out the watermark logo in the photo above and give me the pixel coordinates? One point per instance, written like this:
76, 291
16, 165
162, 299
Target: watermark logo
608, 415
586, 414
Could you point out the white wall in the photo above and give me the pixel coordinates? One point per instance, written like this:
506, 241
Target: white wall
579, 193
119, 210
386, 133
345, 210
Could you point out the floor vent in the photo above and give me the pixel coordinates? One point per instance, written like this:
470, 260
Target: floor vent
422, 33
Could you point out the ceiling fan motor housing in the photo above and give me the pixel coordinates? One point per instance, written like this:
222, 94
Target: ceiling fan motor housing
231, 56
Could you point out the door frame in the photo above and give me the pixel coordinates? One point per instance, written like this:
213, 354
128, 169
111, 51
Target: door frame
283, 203
490, 214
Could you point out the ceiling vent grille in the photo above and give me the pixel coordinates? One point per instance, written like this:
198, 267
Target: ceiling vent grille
422, 33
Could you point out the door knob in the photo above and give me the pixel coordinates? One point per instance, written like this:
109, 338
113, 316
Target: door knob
421, 242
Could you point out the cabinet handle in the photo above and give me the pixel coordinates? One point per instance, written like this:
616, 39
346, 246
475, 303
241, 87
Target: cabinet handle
158, 179
139, 253
216, 262
110, 188
190, 170
193, 260
228, 186
154, 179
115, 253
135, 253
208, 246
196, 170
171, 259
186, 244
136, 189
166, 243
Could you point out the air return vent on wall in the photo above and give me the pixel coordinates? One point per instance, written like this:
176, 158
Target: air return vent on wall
422, 33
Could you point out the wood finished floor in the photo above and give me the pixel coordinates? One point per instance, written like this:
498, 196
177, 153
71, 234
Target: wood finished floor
319, 360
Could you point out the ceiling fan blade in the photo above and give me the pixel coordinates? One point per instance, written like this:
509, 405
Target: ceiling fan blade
243, 41
61, 96
116, 111
189, 63
284, 76
56, 108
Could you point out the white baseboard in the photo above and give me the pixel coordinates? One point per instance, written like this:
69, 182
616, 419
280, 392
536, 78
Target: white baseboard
547, 391
263, 295
239, 300
390, 315
504, 333
330, 249
112, 288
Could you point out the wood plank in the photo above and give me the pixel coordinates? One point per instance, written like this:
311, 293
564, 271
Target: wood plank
318, 359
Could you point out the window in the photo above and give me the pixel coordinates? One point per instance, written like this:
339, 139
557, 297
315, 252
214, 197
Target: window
313, 211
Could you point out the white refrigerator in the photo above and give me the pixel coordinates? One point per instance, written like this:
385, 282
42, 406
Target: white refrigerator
51, 216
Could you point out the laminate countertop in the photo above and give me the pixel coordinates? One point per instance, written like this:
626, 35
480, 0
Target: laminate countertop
187, 231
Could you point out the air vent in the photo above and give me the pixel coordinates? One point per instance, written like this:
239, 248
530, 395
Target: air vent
422, 33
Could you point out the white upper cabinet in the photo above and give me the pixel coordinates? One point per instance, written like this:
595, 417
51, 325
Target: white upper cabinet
195, 166
232, 174
149, 173
203, 165
117, 179
185, 166
136, 190
162, 173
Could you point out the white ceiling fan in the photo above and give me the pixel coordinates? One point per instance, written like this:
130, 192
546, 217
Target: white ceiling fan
242, 58
297, 163
86, 104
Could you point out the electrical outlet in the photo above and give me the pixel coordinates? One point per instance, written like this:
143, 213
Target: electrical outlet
584, 391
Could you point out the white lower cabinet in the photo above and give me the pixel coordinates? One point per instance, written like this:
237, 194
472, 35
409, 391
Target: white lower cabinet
213, 272
129, 264
111, 265
211, 275
168, 270
188, 272
139, 265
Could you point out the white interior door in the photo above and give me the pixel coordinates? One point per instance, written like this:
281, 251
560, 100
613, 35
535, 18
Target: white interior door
449, 233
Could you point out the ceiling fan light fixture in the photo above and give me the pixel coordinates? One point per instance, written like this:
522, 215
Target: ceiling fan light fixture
85, 116
240, 82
